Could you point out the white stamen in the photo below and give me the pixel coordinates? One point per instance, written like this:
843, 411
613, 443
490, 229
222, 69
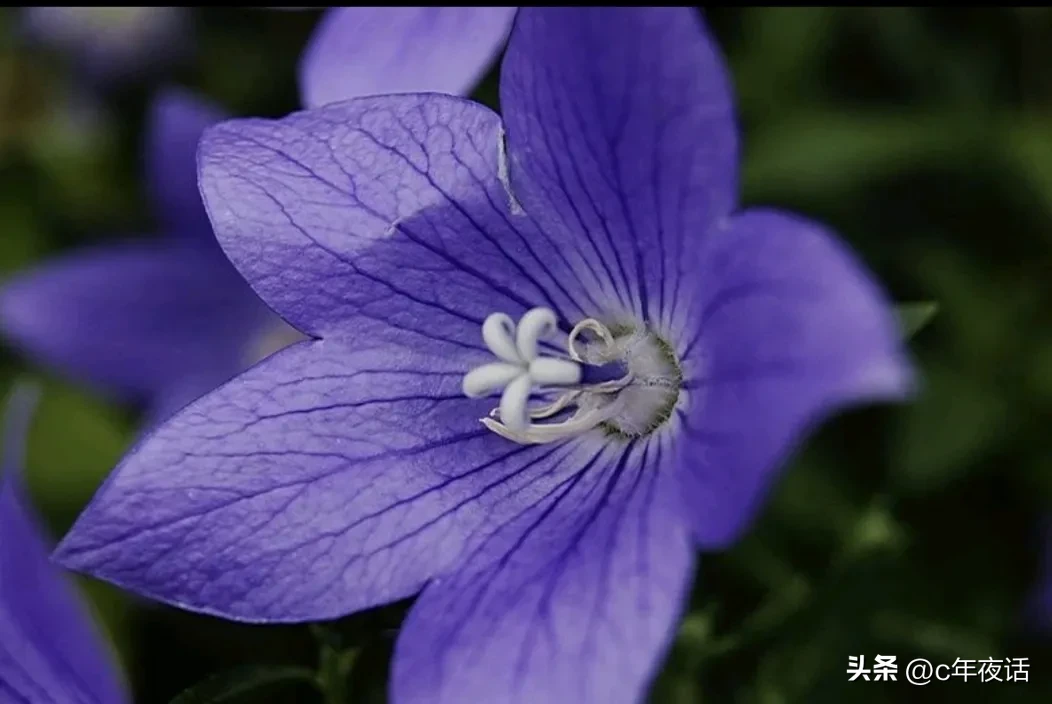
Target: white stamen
580, 422
522, 369
498, 332
552, 408
587, 324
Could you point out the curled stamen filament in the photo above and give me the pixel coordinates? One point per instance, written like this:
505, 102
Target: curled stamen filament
587, 324
540, 433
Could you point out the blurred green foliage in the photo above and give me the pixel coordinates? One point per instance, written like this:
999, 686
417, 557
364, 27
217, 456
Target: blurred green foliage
924, 136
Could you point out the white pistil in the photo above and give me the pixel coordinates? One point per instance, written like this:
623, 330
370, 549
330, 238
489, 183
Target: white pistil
521, 369
498, 332
488, 378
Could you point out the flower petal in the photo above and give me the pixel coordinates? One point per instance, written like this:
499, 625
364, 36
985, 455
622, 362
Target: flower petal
175, 123
188, 387
383, 217
135, 318
49, 649
620, 132
357, 51
1039, 605
573, 599
790, 329
326, 479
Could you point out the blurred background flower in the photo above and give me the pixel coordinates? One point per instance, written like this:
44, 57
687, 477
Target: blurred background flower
110, 43
162, 322
924, 136
49, 647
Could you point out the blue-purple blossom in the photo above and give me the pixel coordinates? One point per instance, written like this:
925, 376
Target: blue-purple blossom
657, 352
50, 651
367, 50
1039, 607
164, 320
111, 42
157, 320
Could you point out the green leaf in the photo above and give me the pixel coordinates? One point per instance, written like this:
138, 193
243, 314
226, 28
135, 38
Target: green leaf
780, 59
225, 686
783, 603
1028, 145
947, 640
334, 666
24, 239
875, 530
954, 422
75, 441
678, 681
828, 152
913, 317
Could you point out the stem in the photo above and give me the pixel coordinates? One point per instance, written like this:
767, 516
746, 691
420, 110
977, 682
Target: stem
334, 667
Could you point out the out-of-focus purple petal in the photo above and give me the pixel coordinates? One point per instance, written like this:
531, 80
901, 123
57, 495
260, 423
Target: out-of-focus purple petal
134, 317
271, 336
176, 120
1038, 610
620, 132
327, 479
49, 649
111, 43
183, 389
357, 51
385, 218
790, 328
573, 600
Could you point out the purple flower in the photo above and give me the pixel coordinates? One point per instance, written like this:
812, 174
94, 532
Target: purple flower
49, 649
162, 320
365, 50
110, 42
169, 319
658, 352
1039, 604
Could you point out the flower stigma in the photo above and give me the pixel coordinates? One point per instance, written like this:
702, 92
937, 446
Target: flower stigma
624, 380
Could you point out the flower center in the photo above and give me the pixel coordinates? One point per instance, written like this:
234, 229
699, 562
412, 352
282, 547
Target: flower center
626, 381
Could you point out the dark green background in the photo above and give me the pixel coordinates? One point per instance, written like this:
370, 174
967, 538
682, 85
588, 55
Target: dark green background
924, 136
